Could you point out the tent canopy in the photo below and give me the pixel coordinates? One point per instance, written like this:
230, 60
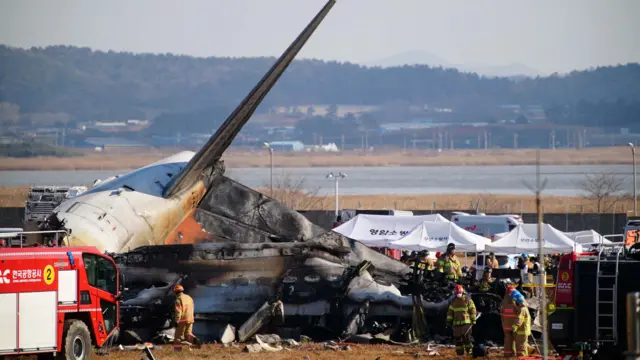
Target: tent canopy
378, 230
435, 236
587, 237
524, 239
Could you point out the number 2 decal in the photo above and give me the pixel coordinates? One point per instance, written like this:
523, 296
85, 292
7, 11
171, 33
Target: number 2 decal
49, 275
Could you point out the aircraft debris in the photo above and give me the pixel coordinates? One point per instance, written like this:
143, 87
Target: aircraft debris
228, 334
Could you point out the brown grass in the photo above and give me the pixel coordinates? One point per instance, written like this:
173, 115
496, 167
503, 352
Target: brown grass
307, 200
313, 351
131, 160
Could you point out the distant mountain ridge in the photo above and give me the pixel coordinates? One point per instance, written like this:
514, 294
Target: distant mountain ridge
69, 82
426, 58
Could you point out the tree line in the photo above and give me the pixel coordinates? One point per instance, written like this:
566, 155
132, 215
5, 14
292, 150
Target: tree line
79, 84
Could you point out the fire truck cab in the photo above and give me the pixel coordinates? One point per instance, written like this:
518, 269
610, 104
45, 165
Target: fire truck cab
59, 300
590, 300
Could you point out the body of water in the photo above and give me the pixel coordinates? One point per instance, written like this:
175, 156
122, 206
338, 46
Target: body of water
562, 180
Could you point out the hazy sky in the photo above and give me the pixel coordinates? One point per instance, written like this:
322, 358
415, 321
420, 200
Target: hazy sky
548, 35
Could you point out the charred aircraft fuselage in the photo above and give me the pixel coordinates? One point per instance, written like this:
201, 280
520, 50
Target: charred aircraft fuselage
181, 220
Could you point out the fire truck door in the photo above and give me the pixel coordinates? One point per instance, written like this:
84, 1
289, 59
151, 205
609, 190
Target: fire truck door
9, 321
102, 277
37, 320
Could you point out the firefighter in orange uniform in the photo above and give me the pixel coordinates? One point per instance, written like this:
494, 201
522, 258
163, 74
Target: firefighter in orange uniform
462, 315
522, 328
508, 315
184, 317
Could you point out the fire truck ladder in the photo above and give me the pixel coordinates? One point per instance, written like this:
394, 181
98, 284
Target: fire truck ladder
607, 295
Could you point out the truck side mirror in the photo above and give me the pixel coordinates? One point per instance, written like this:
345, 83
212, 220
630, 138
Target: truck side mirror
122, 287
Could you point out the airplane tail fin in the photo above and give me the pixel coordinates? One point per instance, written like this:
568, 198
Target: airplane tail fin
212, 151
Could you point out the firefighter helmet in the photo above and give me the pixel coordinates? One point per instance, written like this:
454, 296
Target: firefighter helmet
459, 290
178, 289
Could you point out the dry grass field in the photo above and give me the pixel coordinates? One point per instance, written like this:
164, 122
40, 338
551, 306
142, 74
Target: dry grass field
306, 352
131, 160
306, 200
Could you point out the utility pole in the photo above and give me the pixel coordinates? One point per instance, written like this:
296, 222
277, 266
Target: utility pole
635, 183
543, 300
267, 146
486, 141
336, 177
515, 140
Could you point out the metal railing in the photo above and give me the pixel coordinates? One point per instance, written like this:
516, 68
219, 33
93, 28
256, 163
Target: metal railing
9, 239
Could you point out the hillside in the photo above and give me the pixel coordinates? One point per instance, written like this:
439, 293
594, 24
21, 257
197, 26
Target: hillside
81, 84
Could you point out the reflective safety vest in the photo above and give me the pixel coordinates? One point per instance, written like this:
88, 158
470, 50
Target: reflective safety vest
421, 266
462, 311
450, 267
485, 284
523, 324
508, 313
184, 309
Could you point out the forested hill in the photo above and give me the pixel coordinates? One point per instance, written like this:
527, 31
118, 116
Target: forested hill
94, 85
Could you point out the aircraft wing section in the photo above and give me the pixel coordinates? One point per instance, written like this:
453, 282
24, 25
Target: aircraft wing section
202, 162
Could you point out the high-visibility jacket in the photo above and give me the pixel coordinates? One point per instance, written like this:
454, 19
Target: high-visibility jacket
508, 313
493, 263
485, 284
462, 311
450, 266
523, 323
422, 265
184, 309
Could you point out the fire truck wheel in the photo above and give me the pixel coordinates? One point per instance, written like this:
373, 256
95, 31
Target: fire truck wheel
77, 341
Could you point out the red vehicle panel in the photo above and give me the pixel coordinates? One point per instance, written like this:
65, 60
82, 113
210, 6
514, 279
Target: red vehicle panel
48, 289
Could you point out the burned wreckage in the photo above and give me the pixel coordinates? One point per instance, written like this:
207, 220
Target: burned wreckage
246, 259
261, 266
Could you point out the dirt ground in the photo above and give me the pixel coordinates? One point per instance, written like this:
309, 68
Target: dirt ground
15, 196
303, 352
130, 159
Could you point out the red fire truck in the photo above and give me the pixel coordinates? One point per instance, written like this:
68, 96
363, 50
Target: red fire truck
590, 300
57, 300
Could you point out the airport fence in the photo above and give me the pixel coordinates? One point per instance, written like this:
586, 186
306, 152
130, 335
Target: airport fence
604, 224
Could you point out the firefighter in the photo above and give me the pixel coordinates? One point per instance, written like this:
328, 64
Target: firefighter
449, 264
486, 282
492, 262
508, 316
430, 262
462, 316
184, 317
425, 262
524, 265
522, 327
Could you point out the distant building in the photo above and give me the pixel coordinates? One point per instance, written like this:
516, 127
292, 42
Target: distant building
112, 142
323, 109
287, 145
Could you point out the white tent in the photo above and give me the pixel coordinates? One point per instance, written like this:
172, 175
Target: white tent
435, 236
587, 237
500, 236
524, 239
378, 230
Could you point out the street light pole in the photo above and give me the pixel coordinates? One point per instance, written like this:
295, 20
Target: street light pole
266, 145
543, 300
336, 178
635, 183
